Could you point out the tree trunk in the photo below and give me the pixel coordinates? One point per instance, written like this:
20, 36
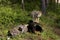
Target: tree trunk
43, 7
23, 4
57, 2
46, 3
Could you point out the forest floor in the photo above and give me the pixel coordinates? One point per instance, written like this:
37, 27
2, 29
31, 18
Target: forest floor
57, 30
49, 33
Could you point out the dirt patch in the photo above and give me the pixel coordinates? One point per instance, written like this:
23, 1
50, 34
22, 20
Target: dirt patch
39, 38
57, 30
29, 39
34, 38
50, 39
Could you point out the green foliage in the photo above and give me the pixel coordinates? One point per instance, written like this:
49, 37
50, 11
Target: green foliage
32, 5
12, 16
51, 19
49, 34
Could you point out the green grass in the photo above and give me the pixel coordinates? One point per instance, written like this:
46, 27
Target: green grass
46, 21
13, 15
